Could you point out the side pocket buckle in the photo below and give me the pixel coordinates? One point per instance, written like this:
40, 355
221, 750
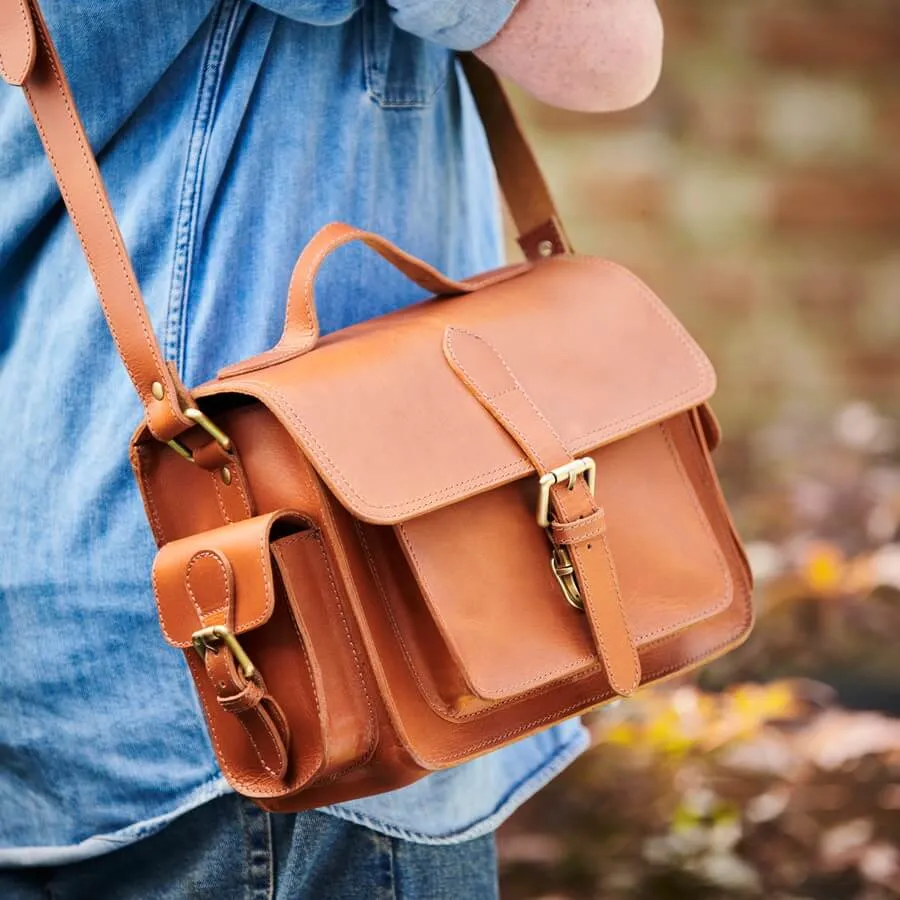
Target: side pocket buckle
209, 639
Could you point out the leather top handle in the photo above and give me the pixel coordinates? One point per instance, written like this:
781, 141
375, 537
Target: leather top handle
301, 324
29, 58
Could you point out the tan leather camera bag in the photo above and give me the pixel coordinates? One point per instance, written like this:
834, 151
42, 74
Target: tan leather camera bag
421, 538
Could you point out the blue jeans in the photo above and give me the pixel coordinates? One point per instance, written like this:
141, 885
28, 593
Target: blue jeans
229, 849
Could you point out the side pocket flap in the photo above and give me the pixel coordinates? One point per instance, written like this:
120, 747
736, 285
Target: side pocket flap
235, 561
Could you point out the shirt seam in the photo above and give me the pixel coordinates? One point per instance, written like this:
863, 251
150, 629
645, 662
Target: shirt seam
212, 74
542, 773
462, 25
516, 795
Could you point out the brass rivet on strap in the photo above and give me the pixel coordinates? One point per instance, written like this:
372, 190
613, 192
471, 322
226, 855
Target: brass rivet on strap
545, 249
226, 474
157, 390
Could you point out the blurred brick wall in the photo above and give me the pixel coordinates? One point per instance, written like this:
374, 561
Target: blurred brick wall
758, 192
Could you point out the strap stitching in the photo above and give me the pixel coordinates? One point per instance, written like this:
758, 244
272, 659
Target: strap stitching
585, 584
275, 741
208, 554
516, 386
240, 484
219, 499
247, 784
105, 213
28, 46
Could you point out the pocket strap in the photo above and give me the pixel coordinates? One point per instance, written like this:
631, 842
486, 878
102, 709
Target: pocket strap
583, 564
239, 686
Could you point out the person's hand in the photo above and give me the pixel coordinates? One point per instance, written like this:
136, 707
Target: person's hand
586, 55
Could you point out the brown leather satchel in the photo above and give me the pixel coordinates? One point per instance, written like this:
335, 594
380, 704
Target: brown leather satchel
423, 537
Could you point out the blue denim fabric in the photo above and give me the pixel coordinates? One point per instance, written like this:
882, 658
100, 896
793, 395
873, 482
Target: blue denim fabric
228, 133
231, 850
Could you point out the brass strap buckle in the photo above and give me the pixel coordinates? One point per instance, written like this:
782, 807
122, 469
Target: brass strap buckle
207, 639
210, 427
569, 472
564, 572
560, 558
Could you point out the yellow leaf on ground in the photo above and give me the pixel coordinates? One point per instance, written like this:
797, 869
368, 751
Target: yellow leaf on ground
823, 567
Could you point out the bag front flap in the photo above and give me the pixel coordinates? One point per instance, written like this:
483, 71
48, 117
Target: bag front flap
395, 434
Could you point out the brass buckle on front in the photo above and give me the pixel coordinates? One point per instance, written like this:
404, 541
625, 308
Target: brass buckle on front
207, 639
210, 427
564, 572
569, 472
560, 558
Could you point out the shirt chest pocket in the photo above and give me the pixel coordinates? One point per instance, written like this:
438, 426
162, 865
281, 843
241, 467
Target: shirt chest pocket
402, 70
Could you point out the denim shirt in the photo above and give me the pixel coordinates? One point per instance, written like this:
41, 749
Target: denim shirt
228, 132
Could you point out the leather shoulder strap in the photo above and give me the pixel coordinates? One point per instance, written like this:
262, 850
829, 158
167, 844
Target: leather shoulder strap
540, 229
85, 197
29, 58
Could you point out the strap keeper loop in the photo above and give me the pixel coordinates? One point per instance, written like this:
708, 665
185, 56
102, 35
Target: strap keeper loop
18, 44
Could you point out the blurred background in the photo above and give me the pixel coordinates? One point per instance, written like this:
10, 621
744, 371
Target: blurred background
758, 193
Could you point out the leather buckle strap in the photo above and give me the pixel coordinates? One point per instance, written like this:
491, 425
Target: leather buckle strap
240, 689
583, 567
560, 559
213, 589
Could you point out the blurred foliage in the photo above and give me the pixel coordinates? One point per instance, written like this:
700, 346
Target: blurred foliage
758, 193
822, 524
754, 778
760, 791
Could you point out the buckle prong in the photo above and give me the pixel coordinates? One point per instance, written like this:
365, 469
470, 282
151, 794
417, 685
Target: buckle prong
569, 473
207, 639
210, 427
